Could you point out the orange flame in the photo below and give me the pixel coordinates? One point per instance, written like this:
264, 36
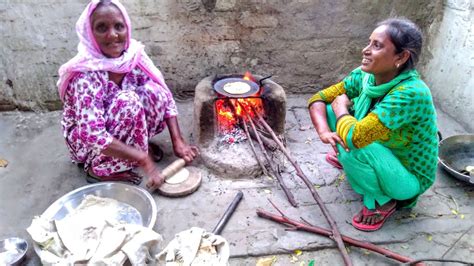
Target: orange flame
248, 76
231, 111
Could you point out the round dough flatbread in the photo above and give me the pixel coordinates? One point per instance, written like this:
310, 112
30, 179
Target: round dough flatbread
179, 177
237, 87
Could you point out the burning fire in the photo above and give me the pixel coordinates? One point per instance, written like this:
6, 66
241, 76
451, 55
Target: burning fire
230, 112
248, 76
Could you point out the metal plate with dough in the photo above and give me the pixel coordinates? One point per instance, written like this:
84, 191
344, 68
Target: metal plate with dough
184, 188
129, 195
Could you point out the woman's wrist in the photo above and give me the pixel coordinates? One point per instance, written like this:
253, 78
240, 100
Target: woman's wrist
143, 160
177, 141
340, 116
340, 111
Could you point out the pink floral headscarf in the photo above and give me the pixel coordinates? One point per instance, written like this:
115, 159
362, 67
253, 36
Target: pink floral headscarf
90, 58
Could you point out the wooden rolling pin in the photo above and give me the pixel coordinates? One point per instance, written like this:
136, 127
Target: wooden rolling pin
171, 169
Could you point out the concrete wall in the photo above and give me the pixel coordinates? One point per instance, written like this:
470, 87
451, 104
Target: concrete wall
305, 44
449, 71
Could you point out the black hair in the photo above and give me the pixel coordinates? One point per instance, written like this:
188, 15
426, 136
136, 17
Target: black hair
405, 35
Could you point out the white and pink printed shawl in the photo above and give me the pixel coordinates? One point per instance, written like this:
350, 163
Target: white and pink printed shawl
90, 58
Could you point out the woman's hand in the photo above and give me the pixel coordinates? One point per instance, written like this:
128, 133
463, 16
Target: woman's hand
119, 149
185, 151
332, 138
155, 178
180, 147
341, 104
318, 116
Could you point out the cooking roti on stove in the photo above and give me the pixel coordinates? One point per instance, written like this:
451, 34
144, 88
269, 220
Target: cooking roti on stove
237, 87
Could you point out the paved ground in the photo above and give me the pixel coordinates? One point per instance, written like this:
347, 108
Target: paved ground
440, 226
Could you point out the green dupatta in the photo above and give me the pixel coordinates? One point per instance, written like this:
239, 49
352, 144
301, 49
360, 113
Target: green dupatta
371, 91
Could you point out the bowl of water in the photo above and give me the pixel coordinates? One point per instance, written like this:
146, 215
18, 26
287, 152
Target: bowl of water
12, 251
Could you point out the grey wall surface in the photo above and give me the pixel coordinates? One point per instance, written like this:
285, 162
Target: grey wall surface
450, 69
305, 44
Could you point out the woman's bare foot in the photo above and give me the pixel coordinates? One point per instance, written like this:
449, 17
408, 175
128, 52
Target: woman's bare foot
374, 218
126, 176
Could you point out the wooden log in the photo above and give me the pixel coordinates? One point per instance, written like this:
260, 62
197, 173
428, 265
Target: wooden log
264, 169
269, 143
324, 232
274, 171
299, 172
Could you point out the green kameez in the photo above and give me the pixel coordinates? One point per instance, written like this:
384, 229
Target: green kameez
399, 167
375, 173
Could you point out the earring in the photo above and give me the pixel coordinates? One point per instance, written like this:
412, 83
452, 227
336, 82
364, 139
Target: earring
398, 65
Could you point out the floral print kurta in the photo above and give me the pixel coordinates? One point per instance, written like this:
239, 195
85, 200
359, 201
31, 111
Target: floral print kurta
97, 110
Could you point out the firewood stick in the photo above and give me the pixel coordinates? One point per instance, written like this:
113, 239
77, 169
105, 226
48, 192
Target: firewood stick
283, 186
269, 143
275, 172
322, 231
299, 172
264, 169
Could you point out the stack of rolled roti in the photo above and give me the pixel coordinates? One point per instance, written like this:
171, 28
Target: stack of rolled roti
91, 235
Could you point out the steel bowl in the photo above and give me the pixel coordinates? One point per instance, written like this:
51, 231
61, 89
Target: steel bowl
455, 153
12, 251
137, 205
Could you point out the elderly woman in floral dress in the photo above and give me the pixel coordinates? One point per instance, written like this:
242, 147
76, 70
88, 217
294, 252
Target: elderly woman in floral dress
115, 100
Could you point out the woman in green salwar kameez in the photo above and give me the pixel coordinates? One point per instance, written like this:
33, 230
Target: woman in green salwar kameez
381, 122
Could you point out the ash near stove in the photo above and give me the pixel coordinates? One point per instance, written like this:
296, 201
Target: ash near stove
222, 104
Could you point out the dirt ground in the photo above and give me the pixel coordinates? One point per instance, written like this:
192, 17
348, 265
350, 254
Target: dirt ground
440, 226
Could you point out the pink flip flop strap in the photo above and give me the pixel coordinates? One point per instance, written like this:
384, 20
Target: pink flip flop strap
367, 212
373, 227
332, 160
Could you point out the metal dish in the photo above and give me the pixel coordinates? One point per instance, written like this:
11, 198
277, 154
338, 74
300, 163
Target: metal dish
12, 251
133, 196
139, 207
219, 87
455, 153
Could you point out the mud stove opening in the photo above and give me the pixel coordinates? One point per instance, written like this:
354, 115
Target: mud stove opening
222, 104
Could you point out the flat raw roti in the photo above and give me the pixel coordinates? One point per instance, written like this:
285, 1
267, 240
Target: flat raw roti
186, 187
179, 177
81, 230
237, 87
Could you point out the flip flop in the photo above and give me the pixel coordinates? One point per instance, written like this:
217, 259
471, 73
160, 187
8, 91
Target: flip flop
155, 152
372, 227
92, 178
331, 158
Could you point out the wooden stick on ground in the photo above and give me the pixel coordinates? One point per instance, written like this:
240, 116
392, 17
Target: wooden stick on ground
319, 201
275, 172
322, 231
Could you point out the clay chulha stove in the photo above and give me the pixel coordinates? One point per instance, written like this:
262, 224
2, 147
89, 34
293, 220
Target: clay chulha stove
221, 104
